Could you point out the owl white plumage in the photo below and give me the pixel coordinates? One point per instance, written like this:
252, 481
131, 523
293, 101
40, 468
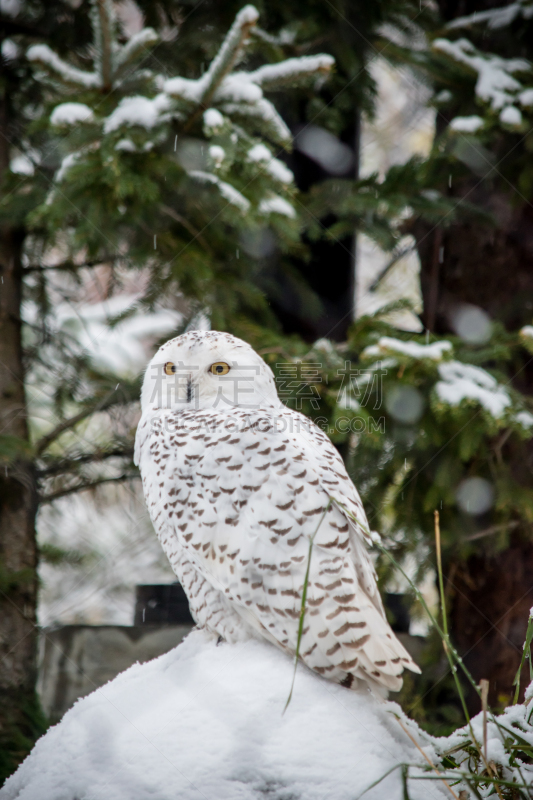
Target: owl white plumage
237, 486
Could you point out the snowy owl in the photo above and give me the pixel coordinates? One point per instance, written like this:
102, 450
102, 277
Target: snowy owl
238, 486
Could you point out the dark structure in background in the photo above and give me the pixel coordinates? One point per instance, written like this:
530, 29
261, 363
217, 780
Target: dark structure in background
330, 271
399, 615
161, 604
167, 604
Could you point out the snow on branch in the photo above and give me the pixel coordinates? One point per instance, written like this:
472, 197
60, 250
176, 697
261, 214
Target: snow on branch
241, 93
137, 110
293, 71
231, 49
66, 114
41, 54
134, 48
496, 84
103, 19
277, 205
111, 59
435, 351
228, 192
494, 17
466, 383
260, 154
470, 124
187, 89
265, 116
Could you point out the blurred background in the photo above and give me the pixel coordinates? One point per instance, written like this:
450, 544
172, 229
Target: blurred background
346, 186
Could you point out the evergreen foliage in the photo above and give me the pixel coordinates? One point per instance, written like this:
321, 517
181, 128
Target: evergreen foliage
163, 157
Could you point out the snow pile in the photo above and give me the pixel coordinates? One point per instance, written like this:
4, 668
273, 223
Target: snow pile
511, 116
466, 124
525, 419
464, 382
206, 721
526, 334
217, 154
21, 165
213, 121
277, 205
508, 737
71, 114
387, 345
525, 98
260, 154
228, 192
138, 110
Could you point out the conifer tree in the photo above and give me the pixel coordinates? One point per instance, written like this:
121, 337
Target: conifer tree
106, 160
476, 278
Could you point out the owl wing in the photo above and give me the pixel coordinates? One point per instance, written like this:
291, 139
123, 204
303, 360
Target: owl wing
243, 494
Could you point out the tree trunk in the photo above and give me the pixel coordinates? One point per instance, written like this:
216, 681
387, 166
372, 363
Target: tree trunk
491, 601
19, 710
489, 266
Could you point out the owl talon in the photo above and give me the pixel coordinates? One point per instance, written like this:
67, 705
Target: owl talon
220, 640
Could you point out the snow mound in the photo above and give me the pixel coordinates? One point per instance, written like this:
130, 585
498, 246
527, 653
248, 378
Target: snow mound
466, 124
70, 114
277, 205
206, 721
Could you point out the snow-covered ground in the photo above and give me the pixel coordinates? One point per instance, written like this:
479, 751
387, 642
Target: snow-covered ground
206, 721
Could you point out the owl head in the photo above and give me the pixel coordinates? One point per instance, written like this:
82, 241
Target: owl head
208, 369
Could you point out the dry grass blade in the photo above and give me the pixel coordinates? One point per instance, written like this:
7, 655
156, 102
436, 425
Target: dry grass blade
484, 686
426, 757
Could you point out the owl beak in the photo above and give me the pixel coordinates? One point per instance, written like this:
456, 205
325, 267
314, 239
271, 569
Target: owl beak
189, 388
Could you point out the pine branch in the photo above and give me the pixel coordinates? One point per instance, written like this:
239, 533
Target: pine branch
103, 23
265, 117
292, 72
68, 464
187, 225
85, 485
232, 47
71, 266
48, 60
134, 49
70, 423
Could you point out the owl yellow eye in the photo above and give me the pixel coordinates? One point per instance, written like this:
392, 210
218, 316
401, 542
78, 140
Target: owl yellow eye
169, 368
219, 368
